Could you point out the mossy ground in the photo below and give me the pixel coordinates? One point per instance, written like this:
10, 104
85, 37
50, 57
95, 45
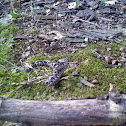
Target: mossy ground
88, 65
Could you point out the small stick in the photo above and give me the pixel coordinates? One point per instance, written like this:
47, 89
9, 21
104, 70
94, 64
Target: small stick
12, 6
111, 87
85, 82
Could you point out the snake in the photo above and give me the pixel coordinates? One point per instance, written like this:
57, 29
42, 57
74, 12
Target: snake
59, 67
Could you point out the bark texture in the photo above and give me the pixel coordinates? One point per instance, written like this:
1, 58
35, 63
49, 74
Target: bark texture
66, 113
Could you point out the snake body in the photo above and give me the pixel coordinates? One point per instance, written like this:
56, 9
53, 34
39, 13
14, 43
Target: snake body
59, 67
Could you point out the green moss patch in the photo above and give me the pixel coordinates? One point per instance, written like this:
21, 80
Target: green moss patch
87, 64
13, 83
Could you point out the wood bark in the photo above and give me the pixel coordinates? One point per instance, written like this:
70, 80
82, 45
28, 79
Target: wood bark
67, 113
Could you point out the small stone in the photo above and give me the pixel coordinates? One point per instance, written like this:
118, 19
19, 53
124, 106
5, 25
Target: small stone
115, 67
114, 62
123, 55
122, 49
86, 78
32, 24
108, 59
111, 37
28, 48
95, 81
108, 49
75, 50
31, 40
119, 64
64, 88
94, 42
86, 39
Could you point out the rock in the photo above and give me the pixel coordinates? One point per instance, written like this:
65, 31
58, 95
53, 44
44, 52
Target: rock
64, 88
108, 49
31, 40
114, 62
75, 51
108, 59
28, 48
119, 64
115, 67
95, 81
111, 37
123, 55
122, 49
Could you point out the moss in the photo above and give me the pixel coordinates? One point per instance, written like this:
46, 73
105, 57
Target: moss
87, 64
6, 34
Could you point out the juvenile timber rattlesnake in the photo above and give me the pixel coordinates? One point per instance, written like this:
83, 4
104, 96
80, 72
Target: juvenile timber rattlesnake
59, 67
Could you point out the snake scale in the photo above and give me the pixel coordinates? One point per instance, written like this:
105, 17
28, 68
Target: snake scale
59, 67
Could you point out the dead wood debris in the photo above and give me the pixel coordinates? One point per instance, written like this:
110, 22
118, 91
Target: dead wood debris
94, 20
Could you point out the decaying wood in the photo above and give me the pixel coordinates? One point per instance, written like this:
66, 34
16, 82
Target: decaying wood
92, 35
110, 111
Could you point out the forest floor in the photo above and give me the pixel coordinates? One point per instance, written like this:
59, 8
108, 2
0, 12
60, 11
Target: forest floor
81, 60
29, 39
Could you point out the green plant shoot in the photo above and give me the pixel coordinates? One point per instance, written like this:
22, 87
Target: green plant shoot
77, 3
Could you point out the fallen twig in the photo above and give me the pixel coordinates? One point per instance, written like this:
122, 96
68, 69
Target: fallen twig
85, 82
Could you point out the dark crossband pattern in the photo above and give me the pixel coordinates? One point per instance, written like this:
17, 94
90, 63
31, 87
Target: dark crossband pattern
59, 67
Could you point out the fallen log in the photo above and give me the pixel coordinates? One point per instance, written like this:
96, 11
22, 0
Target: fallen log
108, 110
